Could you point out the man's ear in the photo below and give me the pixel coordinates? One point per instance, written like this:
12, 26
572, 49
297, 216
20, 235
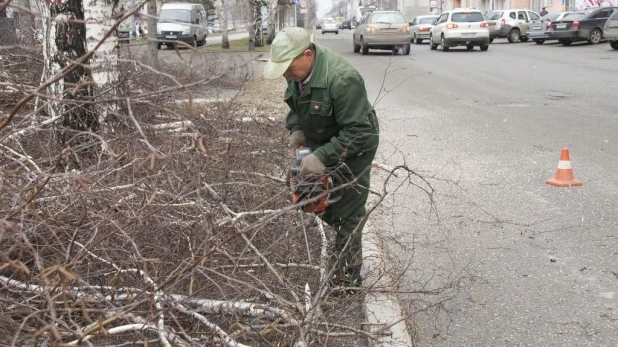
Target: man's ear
308, 53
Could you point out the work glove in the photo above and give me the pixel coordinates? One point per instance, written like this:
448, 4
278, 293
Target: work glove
311, 166
297, 139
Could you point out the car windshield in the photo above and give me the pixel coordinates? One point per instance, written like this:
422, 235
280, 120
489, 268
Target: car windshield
170, 16
388, 18
427, 20
463, 17
551, 16
493, 15
574, 16
329, 22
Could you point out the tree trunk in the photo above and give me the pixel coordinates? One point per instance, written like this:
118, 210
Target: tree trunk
67, 38
257, 18
225, 43
153, 48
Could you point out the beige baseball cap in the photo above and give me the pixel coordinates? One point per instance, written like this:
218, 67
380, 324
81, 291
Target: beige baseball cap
287, 45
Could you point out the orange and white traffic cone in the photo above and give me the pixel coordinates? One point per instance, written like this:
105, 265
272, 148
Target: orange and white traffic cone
564, 173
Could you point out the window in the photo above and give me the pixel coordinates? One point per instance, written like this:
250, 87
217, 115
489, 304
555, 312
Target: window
462, 17
443, 18
512, 15
413, 22
387, 18
533, 16
171, 16
552, 16
494, 15
573, 16
427, 20
606, 12
521, 15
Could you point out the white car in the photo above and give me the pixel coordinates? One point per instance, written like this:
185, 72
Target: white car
330, 26
460, 27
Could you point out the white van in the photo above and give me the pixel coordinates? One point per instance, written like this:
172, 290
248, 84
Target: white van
182, 21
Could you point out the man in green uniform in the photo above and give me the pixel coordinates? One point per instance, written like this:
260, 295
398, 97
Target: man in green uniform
330, 113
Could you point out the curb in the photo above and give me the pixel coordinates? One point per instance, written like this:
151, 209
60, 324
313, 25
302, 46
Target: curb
381, 309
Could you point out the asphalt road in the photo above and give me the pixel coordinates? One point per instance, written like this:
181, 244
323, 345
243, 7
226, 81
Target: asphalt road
508, 259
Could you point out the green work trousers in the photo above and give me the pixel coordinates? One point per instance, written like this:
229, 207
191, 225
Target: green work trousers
347, 218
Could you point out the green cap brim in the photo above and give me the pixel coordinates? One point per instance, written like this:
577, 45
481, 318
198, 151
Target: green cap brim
275, 70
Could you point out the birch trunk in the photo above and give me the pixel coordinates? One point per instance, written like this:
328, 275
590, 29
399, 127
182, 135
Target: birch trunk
71, 29
153, 50
50, 51
225, 42
99, 16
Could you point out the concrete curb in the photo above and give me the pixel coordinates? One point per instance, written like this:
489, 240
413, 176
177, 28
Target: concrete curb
381, 309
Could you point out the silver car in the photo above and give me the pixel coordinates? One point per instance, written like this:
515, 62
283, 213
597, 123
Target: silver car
538, 29
421, 27
330, 26
610, 30
512, 24
387, 30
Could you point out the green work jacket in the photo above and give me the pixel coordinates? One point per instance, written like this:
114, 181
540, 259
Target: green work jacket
333, 112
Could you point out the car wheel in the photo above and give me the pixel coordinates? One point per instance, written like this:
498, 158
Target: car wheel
158, 46
443, 45
565, 42
614, 44
491, 40
432, 45
364, 47
355, 46
524, 39
322, 32
406, 49
514, 36
337, 32
484, 48
469, 47
595, 36
539, 41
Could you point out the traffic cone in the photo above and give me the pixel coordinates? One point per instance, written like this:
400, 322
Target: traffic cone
564, 173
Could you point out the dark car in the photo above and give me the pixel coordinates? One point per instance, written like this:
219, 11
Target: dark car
581, 26
346, 24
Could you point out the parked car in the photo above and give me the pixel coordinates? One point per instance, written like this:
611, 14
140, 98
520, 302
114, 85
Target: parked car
185, 22
510, 24
610, 30
388, 30
460, 27
123, 32
330, 26
581, 26
318, 25
538, 29
420, 28
346, 24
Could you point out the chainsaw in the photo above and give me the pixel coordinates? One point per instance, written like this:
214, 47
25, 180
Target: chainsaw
318, 189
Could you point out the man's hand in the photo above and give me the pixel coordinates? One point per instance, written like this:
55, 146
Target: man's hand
297, 139
311, 166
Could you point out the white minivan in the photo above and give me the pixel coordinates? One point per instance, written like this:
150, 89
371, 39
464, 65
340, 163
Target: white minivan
182, 21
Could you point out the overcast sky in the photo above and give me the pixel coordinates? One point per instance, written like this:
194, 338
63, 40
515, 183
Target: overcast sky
323, 7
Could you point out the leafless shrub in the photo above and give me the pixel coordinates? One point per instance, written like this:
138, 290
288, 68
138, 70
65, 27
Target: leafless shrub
169, 226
